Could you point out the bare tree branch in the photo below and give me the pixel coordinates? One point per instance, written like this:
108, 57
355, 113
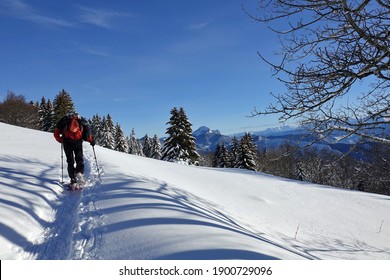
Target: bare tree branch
328, 48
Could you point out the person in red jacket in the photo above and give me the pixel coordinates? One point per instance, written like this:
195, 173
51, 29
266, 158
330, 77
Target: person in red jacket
71, 131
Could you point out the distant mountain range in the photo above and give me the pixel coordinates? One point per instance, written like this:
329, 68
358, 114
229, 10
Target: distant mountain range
208, 139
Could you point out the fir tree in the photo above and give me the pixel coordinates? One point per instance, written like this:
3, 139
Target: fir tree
224, 157
49, 116
156, 148
46, 115
132, 143
97, 128
217, 155
247, 153
180, 145
62, 104
234, 148
147, 146
120, 141
41, 113
135, 147
221, 156
108, 140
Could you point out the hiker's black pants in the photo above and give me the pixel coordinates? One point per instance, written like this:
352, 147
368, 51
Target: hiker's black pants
74, 154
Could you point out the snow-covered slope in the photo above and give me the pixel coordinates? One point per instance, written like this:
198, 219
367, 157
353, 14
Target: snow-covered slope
149, 209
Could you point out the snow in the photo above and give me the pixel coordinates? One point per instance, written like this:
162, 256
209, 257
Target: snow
280, 130
149, 209
205, 130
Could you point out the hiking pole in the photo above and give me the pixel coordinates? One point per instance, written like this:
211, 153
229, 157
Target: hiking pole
97, 165
62, 163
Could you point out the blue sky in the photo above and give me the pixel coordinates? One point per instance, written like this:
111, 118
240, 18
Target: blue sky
138, 59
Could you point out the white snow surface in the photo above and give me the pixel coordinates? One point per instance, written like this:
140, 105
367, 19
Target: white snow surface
149, 209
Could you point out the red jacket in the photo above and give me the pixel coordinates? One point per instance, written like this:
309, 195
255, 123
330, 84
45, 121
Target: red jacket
58, 132
57, 135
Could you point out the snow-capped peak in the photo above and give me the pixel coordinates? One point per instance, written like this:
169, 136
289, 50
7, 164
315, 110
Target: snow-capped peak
205, 130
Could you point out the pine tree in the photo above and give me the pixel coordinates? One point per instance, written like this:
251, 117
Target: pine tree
180, 145
46, 115
49, 116
135, 147
217, 155
62, 104
147, 146
190, 143
120, 140
132, 143
221, 156
156, 148
247, 153
234, 148
224, 157
42, 112
108, 139
97, 128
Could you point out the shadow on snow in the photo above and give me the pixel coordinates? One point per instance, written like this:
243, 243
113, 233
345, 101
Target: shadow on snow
201, 213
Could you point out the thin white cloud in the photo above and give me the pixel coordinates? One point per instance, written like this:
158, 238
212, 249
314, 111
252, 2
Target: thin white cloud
93, 89
203, 42
198, 26
83, 14
93, 50
99, 17
22, 10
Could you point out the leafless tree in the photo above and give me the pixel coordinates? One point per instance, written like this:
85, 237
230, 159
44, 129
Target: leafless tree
16, 111
332, 50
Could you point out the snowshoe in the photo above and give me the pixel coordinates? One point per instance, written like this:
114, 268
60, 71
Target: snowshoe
74, 185
80, 178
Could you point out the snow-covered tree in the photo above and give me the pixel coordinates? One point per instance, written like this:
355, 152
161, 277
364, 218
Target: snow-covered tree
217, 154
41, 113
147, 146
221, 156
247, 153
108, 134
120, 140
135, 147
50, 122
180, 144
234, 148
156, 148
96, 124
46, 115
132, 143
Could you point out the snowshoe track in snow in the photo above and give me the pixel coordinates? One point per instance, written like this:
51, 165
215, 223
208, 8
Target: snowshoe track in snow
85, 237
72, 235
